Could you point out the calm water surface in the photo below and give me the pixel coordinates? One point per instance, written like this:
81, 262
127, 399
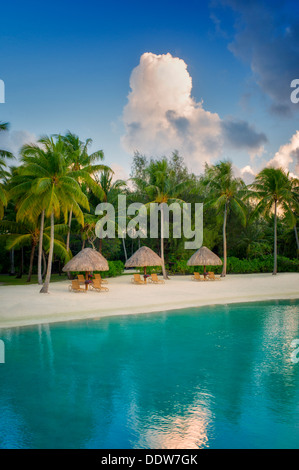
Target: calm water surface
217, 377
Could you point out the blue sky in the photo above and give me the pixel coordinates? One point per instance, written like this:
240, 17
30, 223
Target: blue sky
67, 65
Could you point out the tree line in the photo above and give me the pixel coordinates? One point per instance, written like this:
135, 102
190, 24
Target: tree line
48, 201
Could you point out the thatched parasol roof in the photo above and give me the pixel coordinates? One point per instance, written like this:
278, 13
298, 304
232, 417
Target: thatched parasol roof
144, 257
87, 260
204, 257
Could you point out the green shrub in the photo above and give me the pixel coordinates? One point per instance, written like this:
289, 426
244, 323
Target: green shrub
116, 268
179, 266
235, 265
262, 264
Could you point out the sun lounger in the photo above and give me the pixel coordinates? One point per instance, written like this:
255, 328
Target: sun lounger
97, 286
197, 277
137, 279
155, 280
75, 286
211, 276
81, 279
99, 277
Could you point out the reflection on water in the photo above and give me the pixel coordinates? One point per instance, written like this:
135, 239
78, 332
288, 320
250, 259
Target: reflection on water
187, 431
217, 377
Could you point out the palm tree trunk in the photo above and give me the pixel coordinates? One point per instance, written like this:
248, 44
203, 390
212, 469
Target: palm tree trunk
275, 239
162, 244
12, 262
223, 274
44, 265
69, 231
45, 288
40, 249
68, 237
19, 276
31, 262
124, 247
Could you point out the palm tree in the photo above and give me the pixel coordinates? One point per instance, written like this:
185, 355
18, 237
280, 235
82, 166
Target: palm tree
88, 230
225, 194
55, 185
109, 193
26, 233
3, 193
251, 241
161, 187
29, 206
294, 206
4, 126
83, 166
273, 189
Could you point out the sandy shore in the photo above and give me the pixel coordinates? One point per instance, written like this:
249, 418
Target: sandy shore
23, 305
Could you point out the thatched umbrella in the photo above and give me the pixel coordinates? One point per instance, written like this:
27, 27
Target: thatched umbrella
142, 258
87, 260
204, 257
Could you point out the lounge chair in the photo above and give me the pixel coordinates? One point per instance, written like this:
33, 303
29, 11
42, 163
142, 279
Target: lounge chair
137, 279
97, 286
75, 286
211, 276
99, 277
197, 277
155, 280
81, 279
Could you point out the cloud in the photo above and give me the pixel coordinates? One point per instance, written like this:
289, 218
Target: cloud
120, 173
161, 115
287, 157
246, 173
247, 169
240, 134
12, 141
217, 22
267, 36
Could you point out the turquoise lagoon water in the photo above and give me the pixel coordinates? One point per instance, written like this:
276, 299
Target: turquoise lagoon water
212, 377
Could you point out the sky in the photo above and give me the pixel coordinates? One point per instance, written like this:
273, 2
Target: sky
210, 79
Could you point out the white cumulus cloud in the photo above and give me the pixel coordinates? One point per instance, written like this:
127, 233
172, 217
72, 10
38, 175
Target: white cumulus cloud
161, 114
287, 157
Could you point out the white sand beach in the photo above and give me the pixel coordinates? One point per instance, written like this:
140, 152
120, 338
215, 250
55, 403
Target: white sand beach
23, 305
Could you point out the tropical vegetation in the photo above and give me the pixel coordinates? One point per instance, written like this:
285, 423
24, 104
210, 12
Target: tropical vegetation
48, 201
